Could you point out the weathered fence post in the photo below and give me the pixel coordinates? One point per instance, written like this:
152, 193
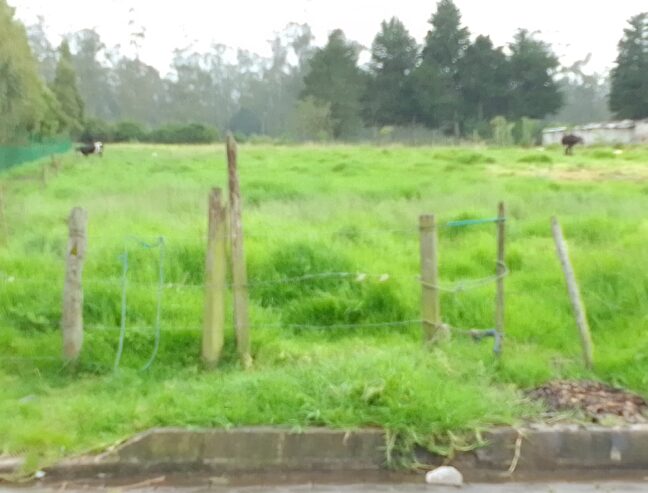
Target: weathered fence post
239, 274
54, 164
501, 272
215, 266
44, 176
72, 323
574, 294
433, 329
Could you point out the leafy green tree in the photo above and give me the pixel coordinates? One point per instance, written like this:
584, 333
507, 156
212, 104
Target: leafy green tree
64, 87
585, 95
389, 96
139, 92
93, 77
334, 79
42, 49
484, 76
444, 47
629, 92
534, 91
22, 103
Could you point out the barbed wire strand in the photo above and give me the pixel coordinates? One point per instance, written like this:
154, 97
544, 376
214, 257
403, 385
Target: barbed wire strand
458, 286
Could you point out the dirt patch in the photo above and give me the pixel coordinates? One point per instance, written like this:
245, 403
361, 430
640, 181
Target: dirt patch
576, 174
595, 400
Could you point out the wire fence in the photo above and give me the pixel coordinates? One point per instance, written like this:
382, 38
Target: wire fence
358, 277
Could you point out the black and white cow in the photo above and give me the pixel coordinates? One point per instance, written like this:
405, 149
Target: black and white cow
91, 148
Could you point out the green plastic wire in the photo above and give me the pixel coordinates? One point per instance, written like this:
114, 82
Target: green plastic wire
471, 222
158, 313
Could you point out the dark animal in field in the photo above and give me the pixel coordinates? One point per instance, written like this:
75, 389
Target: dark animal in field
569, 141
91, 148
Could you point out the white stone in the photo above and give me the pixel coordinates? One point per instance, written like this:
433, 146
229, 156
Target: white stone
39, 474
444, 475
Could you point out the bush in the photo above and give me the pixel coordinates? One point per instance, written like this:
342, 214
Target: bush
192, 133
245, 122
96, 129
128, 131
527, 132
502, 131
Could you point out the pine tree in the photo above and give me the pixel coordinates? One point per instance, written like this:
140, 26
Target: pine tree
335, 80
388, 99
437, 83
629, 92
484, 76
534, 92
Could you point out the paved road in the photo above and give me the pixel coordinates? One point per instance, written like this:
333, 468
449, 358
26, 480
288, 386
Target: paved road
594, 487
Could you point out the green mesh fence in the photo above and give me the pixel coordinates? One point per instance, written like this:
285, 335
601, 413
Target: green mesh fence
13, 155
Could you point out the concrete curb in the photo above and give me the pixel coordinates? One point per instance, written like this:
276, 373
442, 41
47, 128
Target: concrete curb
539, 452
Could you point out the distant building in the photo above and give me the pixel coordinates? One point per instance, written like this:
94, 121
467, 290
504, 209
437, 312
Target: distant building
622, 132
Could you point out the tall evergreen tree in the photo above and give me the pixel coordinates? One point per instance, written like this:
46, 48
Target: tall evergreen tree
335, 80
64, 87
389, 96
484, 76
534, 92
629, 92
445, 45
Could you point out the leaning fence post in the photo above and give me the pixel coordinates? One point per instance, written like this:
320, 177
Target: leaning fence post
215, 265
72, 323
239, 274
430, 303
574, 294
501, 272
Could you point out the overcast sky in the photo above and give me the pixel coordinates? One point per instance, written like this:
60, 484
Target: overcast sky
574, 27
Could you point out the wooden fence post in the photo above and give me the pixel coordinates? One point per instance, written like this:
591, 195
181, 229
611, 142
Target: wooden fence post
574, 294
239, 271
44, 176
433, 329
215, 266
72, 323
54, 164
3, 222
501, 272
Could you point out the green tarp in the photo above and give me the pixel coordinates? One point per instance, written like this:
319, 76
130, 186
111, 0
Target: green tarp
13, 155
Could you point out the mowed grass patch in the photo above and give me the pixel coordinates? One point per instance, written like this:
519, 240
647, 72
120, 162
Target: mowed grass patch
332, 250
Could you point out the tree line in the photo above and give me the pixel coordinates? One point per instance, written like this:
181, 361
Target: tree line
452, 83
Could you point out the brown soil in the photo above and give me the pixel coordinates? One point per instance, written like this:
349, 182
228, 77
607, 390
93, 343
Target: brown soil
595, 400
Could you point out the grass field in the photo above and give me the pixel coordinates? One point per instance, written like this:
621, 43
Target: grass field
310, 210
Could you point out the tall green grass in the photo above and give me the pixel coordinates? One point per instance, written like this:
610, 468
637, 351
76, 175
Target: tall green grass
312, 210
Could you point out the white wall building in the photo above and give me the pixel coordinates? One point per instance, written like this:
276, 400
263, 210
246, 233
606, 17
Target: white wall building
622, 132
